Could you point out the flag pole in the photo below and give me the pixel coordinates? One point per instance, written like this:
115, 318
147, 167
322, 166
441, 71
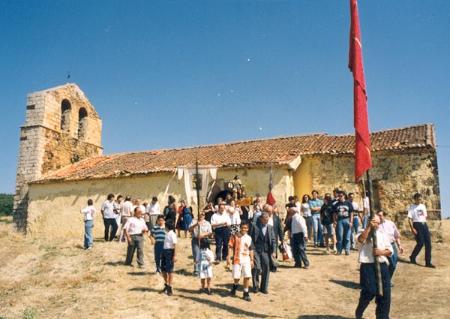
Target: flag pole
374, 233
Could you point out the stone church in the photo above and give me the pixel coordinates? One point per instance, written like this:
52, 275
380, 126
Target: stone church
61, 165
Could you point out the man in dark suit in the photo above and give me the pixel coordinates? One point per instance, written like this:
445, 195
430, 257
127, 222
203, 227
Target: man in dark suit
263, 238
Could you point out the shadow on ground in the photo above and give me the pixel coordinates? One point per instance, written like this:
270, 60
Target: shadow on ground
346, 283
322, 317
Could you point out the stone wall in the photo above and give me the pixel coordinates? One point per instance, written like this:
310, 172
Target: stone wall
44, 146
396, 177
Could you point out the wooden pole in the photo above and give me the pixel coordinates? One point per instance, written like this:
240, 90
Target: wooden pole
374, 234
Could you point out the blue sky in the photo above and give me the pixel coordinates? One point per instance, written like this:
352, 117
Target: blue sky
177, 73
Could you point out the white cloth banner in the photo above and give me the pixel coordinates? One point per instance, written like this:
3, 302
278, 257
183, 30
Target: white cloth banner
188, 173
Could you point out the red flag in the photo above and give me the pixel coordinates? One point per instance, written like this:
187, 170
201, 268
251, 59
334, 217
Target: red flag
363, 157
270, 199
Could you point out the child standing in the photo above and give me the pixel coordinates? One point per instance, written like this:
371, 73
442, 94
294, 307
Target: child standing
157, 236
241, 247
169, 257
206, 265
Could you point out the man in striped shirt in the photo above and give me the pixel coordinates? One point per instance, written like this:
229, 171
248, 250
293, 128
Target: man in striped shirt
157, 236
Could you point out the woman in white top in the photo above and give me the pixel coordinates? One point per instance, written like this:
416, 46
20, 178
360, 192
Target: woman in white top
88, 216
305, 209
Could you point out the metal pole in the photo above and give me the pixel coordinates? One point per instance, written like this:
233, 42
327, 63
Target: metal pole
374, 234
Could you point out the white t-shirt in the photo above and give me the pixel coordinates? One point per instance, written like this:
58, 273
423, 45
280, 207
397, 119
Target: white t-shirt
366, 252
418, 213
171, 240
244, 249
88, 212
235, 218
135, 226
305, 209
205, 228
299, 225
154, 209
220, 218
108, 210
366, 205
355, 207
127, 208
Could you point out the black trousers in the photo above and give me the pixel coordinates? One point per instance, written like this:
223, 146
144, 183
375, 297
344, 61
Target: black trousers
221, 236
298, 249
110, 228
422, 238
368, 281
262, 268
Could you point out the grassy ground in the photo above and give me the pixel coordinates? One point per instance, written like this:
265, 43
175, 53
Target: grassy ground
40, 279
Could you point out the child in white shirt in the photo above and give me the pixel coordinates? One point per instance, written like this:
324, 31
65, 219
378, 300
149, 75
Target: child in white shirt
206, 266
169, 257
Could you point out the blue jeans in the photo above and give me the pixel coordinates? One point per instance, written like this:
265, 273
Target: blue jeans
422, 238
195, 254
88, 238
365, 221
393, 260
309, 225
343, 235
159, 247
354, 230
317, 229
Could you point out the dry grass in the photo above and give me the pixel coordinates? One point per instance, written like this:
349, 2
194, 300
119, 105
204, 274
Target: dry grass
40, 279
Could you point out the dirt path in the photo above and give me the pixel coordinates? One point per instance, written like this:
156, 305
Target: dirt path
42, 279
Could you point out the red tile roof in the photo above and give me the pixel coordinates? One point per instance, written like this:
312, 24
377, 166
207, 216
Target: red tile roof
274, 151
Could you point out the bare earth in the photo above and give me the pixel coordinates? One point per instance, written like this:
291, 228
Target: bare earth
58, 279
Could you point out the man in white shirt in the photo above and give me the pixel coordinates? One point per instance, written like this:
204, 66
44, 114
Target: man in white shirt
134, 232
368, 277
417, 218
299, 237
109, 218
221, 223
153, 210
389, 228
88, 216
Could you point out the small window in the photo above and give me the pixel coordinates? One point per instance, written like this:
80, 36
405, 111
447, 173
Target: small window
65, 115
82, 123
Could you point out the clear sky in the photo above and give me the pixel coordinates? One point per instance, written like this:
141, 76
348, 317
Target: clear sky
176, 73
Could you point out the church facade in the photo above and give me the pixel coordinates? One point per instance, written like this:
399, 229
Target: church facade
61, 166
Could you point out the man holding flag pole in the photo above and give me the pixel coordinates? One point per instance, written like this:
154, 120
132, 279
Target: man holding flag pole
374, 274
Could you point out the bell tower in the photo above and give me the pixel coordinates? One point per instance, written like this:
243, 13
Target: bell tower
61, 127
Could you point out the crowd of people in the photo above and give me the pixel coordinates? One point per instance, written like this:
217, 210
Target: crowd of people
248, 238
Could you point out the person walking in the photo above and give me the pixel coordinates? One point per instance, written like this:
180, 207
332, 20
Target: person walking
241, 252
368, 276
206, 260
109, 218
299, 236
88, 217
201, 230
263, 238
343, 215
221, 223
417, 219
389, 228
134, 229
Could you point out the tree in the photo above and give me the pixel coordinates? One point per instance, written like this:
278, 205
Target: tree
6, 204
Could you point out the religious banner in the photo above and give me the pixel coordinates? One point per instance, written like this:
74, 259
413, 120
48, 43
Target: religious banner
205, 176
